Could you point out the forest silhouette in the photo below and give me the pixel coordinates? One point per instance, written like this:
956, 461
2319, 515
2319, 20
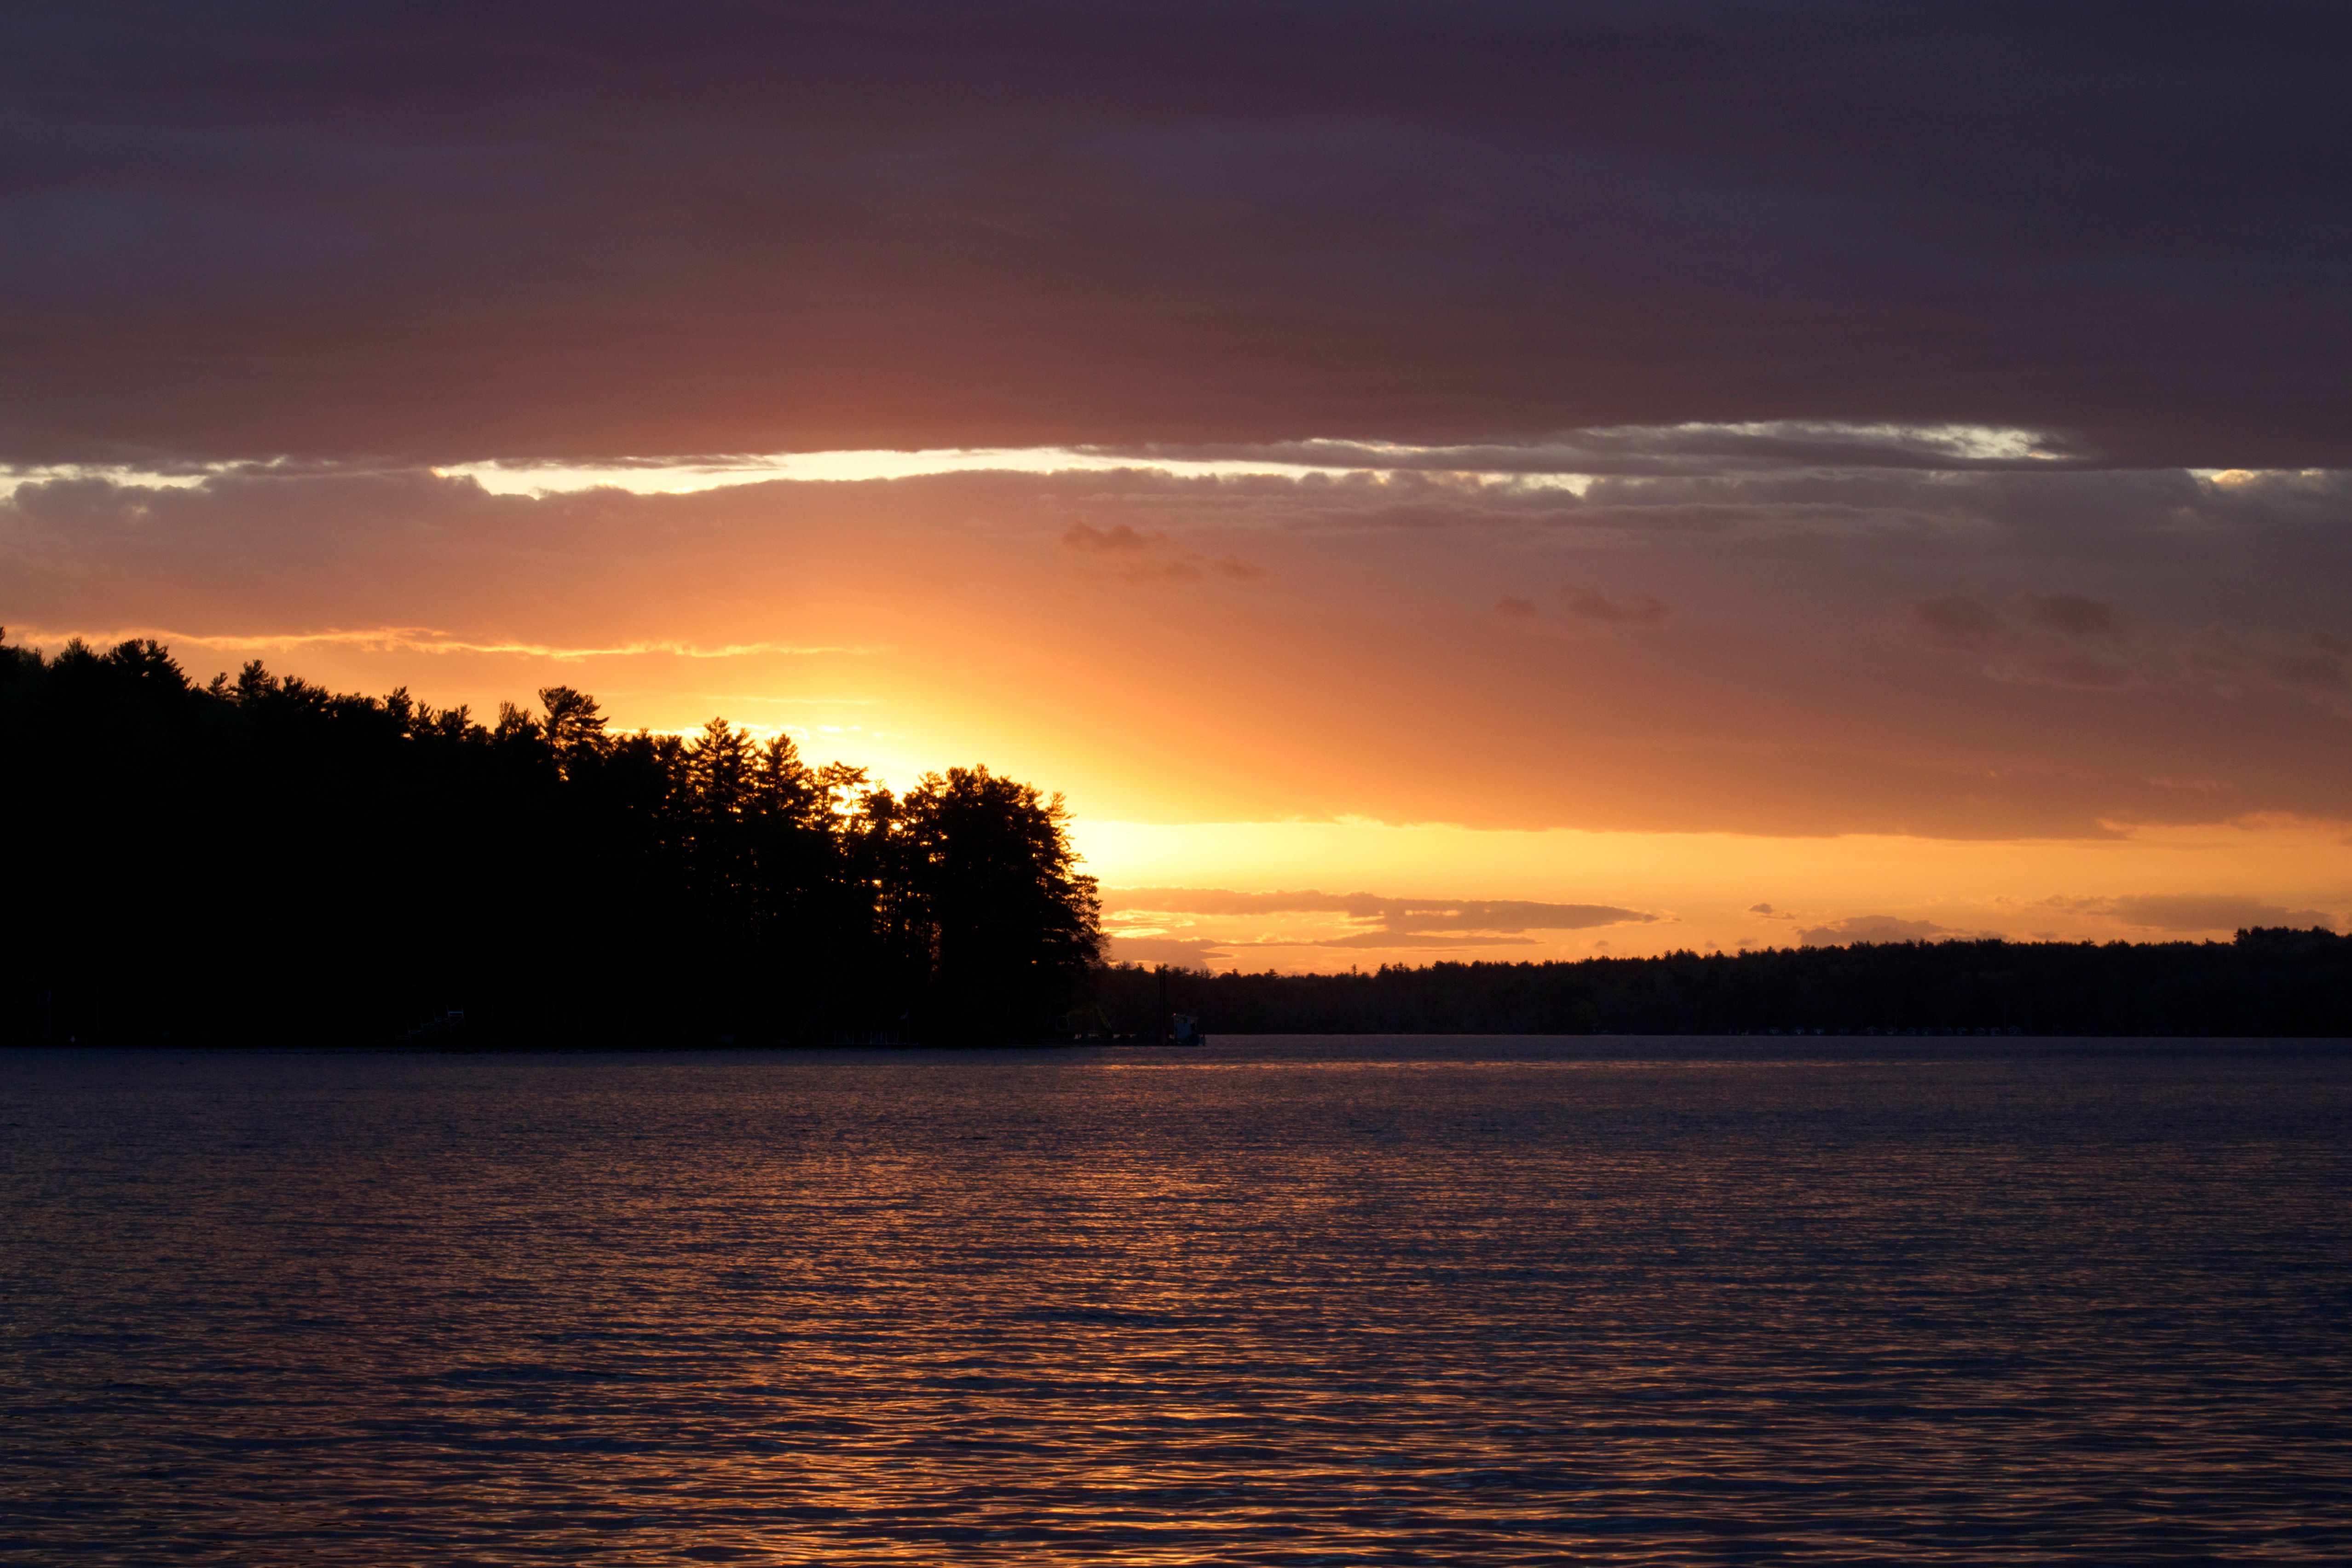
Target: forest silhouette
260, 859
2263, 982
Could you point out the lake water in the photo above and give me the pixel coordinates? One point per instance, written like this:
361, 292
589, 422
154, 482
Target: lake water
1444, 1302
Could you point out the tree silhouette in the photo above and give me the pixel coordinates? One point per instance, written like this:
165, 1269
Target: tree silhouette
263, 859
1008, 923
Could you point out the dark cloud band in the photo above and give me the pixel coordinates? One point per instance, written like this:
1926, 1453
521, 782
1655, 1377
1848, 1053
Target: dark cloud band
452, 231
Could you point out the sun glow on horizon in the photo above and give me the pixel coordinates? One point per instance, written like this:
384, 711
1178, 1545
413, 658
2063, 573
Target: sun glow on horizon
1758, 684
1700, 890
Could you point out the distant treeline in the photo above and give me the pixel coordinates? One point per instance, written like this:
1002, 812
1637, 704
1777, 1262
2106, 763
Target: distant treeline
2266, 983
262, 860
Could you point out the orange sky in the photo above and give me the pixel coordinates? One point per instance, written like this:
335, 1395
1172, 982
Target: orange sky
1446, 715
1888, 464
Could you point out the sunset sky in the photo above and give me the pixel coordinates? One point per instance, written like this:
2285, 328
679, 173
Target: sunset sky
1424, 480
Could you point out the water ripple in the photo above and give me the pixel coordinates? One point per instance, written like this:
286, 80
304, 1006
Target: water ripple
1277, 1302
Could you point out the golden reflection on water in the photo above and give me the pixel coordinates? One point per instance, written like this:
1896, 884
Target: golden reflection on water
1357, 1301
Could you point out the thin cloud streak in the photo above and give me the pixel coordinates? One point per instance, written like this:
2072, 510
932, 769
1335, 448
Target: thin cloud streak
416, 639
1570, 461
1218, 925
1401, 914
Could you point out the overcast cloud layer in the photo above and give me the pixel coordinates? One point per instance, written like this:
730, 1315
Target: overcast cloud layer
455, 231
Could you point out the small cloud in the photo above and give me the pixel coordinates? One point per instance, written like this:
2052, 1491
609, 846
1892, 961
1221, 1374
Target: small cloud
2318, 667
1411, 942
1637, 609
1117, 540
1954, 621
2036, 655
2205, 912
1119, 552
1188, 953
1372, 921
1580, 611
2080, 671
1765, 909
2072, 615
1872, 928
